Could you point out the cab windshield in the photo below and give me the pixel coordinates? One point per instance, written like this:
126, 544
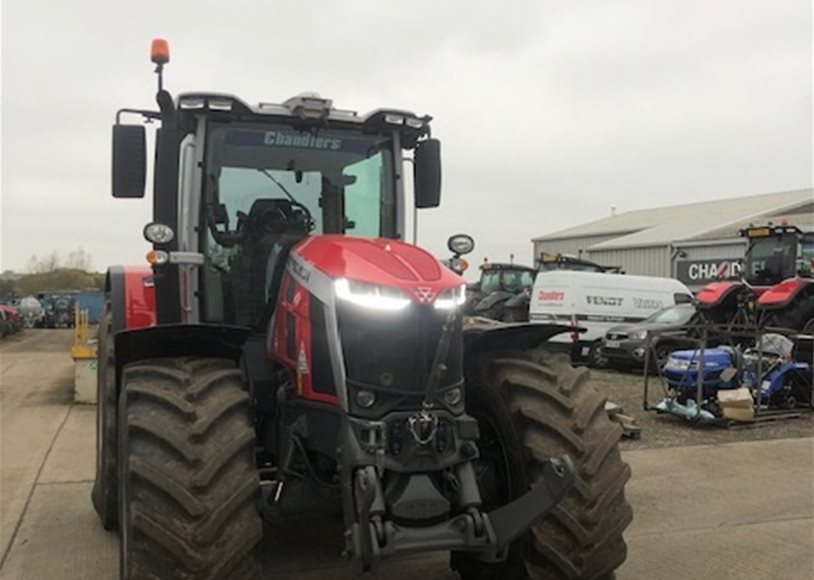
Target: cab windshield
771, 260
506, 280
267, 186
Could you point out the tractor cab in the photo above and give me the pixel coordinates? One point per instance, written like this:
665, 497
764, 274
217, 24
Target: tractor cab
776, 253
511, 278
237, 185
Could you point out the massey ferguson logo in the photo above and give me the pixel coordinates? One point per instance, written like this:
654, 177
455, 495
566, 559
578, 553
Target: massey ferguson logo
424, 294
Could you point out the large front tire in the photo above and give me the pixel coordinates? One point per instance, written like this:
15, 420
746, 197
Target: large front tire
188, 481
537, 406
105, 487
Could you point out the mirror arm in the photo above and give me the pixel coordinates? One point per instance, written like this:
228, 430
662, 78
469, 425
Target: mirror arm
149, 116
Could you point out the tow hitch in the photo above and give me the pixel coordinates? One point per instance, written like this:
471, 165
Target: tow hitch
486, 535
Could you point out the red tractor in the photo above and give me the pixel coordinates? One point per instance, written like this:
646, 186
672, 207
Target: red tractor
288, 355
776, 286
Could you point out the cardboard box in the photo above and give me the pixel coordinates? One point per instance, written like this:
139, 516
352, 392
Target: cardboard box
735, 398
741, 414
736, 404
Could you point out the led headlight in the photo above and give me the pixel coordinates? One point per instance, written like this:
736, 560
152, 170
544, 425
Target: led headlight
391, 119
639, 335
460, 244
451, 298
158, 233
370, 295
679, 364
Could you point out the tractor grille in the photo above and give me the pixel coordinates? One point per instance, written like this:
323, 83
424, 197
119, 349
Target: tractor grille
394, 350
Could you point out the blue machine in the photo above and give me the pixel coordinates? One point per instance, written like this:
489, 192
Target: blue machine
767, 370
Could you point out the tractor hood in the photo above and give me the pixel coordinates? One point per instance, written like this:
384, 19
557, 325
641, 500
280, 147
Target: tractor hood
380, 261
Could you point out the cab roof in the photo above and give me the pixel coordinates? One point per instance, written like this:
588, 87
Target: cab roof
308, 107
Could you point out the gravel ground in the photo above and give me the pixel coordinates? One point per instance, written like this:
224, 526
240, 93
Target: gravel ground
627, 388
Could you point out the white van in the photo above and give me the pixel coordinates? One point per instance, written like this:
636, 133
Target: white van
597, 301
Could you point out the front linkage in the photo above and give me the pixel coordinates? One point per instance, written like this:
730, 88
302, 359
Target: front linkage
365, 446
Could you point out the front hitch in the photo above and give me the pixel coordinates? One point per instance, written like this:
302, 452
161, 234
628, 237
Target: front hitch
513, 519
485, 536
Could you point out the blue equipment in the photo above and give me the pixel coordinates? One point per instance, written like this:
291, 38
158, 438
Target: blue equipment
767, 370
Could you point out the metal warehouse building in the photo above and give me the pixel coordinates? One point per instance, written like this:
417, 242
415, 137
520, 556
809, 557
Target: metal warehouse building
695, 243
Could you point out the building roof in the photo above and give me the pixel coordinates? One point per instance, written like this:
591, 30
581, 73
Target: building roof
664, 225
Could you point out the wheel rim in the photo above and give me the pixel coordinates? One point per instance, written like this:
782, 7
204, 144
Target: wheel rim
598, 359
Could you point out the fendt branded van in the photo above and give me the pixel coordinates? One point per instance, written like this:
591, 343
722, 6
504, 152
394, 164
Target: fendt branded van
597, 301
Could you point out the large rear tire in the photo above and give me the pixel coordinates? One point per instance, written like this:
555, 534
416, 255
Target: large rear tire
105, 488
799, 315
537, 406
188, 481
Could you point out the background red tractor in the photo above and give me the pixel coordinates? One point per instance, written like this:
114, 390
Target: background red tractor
288, 355
776, 286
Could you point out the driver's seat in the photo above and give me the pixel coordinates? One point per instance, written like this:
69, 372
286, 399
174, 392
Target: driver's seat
268, 223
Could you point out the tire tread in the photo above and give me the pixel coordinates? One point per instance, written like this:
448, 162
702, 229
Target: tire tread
191, 478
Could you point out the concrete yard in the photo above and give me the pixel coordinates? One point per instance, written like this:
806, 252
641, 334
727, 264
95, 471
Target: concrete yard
734, 510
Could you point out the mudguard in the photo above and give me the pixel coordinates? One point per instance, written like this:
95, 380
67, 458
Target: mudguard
482, 335
780, 295
777, 378
174, 340
519, 300
716, 293
132, 296
492, 300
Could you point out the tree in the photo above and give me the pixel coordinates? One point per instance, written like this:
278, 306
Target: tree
51, 273
7, 288
49, 263
79, 259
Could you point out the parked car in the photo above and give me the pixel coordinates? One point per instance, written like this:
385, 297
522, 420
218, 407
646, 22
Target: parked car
625, 345
13, 320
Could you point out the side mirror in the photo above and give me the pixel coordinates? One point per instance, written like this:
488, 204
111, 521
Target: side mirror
129, 161
427, 173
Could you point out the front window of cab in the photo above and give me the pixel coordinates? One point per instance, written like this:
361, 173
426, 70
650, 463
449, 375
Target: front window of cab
266, 186
771, 259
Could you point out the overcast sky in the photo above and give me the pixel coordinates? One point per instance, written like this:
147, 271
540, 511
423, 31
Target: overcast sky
549, 112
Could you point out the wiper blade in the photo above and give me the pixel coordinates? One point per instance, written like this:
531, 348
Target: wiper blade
280, 185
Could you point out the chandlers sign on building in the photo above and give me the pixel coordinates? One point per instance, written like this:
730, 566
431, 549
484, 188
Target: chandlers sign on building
692, 272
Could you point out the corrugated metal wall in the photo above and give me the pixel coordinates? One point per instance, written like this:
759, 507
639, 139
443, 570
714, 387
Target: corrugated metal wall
642, 261
731, 249
569, 246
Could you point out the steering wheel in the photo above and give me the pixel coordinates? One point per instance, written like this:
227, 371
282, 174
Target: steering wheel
309, 221
264, 222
